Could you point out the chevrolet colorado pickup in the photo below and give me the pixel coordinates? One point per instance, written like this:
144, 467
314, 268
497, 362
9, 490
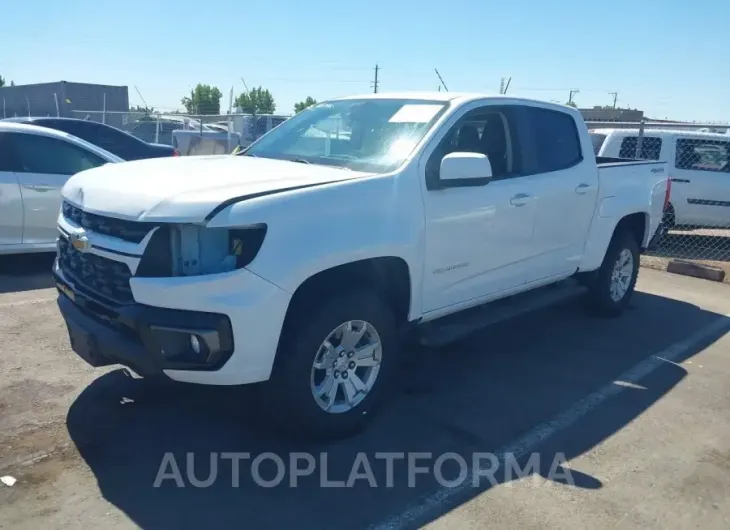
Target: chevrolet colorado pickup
306, 259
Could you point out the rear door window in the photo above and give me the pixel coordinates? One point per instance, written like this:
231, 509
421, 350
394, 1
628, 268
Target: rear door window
651, 148
703, 155
555, 137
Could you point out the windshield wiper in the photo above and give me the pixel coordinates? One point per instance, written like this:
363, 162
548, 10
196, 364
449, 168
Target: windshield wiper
300, 161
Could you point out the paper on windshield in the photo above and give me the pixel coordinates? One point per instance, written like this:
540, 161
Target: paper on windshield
415, 113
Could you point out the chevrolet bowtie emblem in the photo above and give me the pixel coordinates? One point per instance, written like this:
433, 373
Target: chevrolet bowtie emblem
80, 242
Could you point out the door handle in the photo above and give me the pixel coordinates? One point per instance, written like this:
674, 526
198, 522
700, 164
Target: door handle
520, 199
582, 188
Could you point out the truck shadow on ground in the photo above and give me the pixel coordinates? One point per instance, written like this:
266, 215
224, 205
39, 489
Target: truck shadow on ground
26, 272
476, 396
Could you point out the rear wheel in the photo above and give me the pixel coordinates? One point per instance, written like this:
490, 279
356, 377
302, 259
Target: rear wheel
335, 365
613, 286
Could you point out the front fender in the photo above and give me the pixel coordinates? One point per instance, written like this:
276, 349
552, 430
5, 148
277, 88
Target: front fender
315, 229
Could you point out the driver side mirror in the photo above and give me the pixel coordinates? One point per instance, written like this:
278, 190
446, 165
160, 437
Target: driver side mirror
465, 169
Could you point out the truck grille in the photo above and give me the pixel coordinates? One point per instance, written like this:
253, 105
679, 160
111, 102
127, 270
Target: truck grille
132, 231
94, 274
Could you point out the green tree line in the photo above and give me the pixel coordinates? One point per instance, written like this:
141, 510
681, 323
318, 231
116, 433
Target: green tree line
206, 99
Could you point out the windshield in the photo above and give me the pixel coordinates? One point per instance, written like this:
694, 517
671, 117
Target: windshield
373, 135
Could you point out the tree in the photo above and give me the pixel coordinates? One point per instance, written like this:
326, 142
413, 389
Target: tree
142, 110
2, 82
572, 104
203, 99
299, 107
256, 101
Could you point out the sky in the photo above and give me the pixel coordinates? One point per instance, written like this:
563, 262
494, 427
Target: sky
669, 58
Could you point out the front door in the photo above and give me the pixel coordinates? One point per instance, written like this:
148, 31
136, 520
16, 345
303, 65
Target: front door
478, 239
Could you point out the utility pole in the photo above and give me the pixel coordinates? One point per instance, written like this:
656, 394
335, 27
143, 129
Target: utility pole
572, 93
615, 97
375, 83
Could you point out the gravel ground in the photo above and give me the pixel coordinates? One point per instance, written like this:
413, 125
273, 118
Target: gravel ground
635, 410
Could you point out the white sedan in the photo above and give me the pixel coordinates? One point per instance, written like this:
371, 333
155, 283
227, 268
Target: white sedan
35, 163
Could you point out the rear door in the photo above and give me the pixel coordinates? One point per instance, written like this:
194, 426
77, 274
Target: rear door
565, 180
701, 182
11, 201
42, 165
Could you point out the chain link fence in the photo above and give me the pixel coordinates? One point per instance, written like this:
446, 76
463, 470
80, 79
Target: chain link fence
190, 134
697, 218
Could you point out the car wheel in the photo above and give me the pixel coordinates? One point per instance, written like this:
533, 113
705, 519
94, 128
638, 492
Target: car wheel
334, 366
613, 286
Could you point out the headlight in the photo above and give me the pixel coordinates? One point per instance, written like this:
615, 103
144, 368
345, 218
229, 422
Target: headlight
197, 250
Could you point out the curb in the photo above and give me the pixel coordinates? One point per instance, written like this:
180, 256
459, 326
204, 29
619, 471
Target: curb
696, 270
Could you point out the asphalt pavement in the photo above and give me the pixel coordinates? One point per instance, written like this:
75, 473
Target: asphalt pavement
555, 419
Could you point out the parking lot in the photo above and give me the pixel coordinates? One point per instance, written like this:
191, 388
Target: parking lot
639, 407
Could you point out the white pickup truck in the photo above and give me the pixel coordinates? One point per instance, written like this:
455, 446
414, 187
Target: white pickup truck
305, 260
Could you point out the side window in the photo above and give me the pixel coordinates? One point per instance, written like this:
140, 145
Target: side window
487, 130
555, 139
651, 147
703, 155
33, 153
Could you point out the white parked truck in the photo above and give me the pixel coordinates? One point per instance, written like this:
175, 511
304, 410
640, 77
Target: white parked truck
305, 260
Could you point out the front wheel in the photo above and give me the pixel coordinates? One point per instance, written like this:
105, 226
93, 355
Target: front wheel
335, 365
613, 286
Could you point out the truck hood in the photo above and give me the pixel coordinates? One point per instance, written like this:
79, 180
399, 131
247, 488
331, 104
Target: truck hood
187, 189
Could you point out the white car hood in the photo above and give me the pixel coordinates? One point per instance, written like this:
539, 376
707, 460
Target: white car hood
187, 189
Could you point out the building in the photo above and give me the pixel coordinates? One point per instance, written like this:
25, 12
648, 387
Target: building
612, 114
61, 99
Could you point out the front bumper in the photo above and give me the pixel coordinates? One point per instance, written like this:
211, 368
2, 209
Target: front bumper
246, 311
147, 339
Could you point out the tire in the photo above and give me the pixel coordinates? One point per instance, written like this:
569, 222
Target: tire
291, 387
600, 295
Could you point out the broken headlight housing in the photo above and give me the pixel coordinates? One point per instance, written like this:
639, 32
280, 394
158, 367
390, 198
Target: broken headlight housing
197, 250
